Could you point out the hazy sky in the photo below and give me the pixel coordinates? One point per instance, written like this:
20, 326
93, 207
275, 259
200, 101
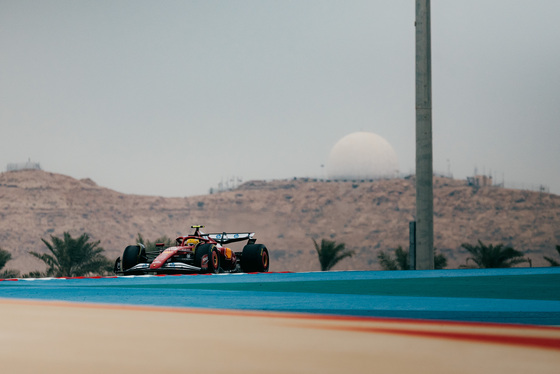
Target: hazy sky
171, 97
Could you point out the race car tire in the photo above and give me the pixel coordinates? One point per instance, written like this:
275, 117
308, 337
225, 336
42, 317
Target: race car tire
132, 256
255, 259
212, 258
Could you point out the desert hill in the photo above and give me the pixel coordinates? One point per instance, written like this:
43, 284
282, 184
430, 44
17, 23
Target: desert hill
368, 216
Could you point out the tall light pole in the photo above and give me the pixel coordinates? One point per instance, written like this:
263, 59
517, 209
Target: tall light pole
424, 163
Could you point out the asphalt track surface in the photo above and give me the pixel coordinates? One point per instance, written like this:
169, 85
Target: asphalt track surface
404, 321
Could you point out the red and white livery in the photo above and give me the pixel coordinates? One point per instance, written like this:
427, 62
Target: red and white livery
196, 253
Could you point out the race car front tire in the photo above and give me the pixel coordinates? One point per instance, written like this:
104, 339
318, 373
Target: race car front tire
132, 256
207, 258
255, 259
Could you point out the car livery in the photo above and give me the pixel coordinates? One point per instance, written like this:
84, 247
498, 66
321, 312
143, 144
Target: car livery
196, 253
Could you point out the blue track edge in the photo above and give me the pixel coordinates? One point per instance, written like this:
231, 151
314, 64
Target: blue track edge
519, 295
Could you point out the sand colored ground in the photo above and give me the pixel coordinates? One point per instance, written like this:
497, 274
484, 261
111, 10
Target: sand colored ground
59, 337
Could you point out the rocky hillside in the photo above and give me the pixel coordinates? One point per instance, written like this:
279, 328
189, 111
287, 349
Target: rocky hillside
286, 215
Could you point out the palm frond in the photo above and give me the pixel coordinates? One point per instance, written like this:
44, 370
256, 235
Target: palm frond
386, 261
71, 257
330, 253
7, 274
5, 256
402, 258
551, 261
493, 256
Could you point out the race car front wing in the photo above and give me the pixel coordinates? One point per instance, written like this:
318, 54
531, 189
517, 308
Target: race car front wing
172, 266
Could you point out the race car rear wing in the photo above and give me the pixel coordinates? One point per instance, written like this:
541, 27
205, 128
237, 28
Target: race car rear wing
225, 238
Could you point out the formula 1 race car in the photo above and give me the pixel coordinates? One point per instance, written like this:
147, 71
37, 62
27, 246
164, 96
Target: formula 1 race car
196, 253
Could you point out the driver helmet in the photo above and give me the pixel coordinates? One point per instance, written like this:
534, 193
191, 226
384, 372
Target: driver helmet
192, 242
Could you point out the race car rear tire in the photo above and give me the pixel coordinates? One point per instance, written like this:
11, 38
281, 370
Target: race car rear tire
132, 256
207, 258
255, 259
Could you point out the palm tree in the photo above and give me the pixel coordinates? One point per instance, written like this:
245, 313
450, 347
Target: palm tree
490, 256
387, 261
440, 261
552, 261
5, 256
330, 253
71, 257
401, 261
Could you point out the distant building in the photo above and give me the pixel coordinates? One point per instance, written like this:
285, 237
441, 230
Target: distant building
230, 184
29, 165
480, 181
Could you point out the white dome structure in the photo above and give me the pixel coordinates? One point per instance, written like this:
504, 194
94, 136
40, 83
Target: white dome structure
362, 155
